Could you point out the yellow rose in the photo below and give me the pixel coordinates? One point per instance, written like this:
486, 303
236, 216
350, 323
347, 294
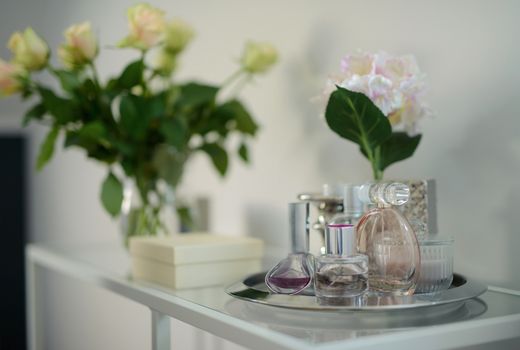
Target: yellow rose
80, 46
146, 25
178, 34
11, 76
258, 57
30, 51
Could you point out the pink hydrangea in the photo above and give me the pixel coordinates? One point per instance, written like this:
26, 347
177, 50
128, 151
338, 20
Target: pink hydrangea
394, 83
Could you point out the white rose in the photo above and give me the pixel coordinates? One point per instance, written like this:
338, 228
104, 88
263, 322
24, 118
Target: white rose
30, 51
80, 46
177, 35
146, 27
258, 57
11, 76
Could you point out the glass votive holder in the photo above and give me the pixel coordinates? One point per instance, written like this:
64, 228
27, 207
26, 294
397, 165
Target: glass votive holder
436, 265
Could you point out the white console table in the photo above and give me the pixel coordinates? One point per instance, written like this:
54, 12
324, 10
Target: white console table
494, 316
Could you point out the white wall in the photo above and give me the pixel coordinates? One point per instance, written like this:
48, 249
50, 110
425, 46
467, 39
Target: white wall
472, 146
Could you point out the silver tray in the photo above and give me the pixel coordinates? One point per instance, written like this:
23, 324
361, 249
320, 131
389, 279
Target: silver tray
253, 289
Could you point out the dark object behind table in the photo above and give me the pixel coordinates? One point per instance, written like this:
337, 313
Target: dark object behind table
13, 230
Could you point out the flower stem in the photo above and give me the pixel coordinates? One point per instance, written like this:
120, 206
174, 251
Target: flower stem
378, 174
144, 86
94, 74
375, 161
373, 156
232, 78
239, 85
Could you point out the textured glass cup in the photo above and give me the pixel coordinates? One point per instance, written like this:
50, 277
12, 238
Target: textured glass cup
436, 265
386, 237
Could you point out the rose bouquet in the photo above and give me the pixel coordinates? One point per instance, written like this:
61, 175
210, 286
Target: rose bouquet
376, 102
142, 123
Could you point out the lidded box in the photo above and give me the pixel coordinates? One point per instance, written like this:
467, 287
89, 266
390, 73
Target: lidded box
194, 259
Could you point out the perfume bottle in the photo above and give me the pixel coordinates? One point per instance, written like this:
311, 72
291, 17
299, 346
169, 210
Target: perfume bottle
353, 206
294, 273
341, 272
387, 238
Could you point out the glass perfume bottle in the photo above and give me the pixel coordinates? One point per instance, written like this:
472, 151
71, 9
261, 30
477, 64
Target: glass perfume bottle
294, 273
387, 238
341, 272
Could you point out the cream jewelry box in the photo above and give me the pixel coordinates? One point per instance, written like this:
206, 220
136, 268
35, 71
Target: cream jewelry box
194, 259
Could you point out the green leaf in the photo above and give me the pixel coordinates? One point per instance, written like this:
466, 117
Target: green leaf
26, 93
112, 194
97, 148
69, 80
125, 148
63, 109
47, 148
245, 122
128, 166
36, 112
88, 87
128, 107
353, 116
218, 156
91, 137
94, 130
156, 105
169, 164
234, 110
134, 118
174, 131
195, 94
243, 152
398, 147
132, 75
112, 88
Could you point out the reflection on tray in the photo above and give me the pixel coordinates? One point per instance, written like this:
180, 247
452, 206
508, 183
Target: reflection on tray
323, 326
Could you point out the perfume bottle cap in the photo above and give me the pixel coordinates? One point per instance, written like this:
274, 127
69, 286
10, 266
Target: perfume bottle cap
299, 223
340, 239
386, 194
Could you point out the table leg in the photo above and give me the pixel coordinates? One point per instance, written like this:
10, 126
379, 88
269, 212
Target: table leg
160, 331
34, 331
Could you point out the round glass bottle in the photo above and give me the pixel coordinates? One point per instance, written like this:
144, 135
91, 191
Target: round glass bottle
387, 238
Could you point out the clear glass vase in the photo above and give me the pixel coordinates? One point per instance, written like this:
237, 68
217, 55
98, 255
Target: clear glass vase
387, 238
156, 216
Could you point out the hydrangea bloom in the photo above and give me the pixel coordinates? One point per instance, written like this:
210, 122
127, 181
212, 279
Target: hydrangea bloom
394, 83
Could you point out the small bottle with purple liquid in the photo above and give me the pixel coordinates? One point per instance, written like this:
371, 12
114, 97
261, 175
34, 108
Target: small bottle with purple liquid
294, 273
291, 275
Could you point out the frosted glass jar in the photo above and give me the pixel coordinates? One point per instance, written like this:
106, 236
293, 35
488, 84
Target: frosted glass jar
436, 265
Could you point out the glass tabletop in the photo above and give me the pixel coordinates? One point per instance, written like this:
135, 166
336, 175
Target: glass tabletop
315, 327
